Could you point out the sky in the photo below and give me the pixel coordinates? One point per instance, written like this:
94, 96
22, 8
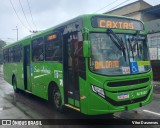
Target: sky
42, 14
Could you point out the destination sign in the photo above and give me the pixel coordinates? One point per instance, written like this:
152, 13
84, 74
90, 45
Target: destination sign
116, 23
106, 64
51, 37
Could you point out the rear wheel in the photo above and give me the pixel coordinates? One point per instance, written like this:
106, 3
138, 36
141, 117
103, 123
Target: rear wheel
14, 82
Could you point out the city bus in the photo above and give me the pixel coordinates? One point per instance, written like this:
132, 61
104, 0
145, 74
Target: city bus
94, 63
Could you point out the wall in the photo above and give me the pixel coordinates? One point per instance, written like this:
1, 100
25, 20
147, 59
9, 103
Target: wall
154, 49
136, 15
148, 17
128, 9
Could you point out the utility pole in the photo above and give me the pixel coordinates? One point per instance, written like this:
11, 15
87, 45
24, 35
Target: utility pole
17, 31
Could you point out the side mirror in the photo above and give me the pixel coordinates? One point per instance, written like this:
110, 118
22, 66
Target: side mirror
86, 48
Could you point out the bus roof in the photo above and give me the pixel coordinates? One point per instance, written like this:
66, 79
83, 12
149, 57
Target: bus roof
59, 25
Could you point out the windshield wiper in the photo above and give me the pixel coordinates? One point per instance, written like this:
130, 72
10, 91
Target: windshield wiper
136, 38
119, 43
131, 48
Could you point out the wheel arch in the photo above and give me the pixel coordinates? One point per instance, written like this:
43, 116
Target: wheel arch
13, 76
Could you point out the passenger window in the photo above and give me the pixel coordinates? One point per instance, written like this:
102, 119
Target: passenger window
53, 47
11, 54
17, 53
37, 50
5, 55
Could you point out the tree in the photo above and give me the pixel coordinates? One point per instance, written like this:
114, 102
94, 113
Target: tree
2, 44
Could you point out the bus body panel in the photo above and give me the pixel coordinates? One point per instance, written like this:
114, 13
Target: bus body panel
43, 74
14, 70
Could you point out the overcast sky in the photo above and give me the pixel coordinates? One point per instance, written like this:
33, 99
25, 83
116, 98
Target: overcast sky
47, 13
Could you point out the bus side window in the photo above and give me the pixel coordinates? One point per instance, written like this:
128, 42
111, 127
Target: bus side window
11, 54
17, 56
53, 47
5, 55
38, 49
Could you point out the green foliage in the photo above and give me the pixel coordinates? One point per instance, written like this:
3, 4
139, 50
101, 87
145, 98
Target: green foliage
2, 44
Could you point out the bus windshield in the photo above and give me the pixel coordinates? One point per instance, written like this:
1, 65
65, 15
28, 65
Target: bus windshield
108, 59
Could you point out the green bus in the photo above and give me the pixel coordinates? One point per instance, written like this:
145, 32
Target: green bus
94, 63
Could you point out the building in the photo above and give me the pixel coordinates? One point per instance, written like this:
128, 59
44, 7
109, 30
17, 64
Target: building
149, 14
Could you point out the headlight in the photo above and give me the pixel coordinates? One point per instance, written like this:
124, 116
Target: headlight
98, 90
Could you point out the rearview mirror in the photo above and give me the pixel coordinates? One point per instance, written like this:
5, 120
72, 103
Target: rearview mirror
86, 48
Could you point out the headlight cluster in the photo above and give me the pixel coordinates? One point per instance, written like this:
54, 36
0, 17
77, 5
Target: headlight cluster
98, 90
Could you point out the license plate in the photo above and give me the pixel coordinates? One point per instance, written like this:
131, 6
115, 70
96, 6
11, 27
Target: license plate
123, 96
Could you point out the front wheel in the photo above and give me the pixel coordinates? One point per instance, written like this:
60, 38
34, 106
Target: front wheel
57, 100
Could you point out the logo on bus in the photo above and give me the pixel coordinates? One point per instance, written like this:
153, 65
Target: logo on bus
123, 96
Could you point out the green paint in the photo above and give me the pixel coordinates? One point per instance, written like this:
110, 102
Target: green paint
77, 103
71, 101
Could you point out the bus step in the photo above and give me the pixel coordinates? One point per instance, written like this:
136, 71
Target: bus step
70, 106
27, 91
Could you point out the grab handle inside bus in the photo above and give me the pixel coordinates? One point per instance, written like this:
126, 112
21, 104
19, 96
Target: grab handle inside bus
86, 48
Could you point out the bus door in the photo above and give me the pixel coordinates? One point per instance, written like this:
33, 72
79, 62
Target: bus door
71, 77
27, 74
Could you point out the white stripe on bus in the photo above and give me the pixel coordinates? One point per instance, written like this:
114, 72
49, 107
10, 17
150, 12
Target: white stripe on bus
40, 76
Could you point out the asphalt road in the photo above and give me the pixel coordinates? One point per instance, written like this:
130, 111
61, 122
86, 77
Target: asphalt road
26, 106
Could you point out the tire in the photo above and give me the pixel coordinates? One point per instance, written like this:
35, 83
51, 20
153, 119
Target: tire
15, 85
57, 99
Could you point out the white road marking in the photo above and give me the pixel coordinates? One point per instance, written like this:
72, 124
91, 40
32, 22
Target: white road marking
1, 109
155, 113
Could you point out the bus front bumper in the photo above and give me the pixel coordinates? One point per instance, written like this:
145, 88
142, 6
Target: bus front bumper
103, 106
